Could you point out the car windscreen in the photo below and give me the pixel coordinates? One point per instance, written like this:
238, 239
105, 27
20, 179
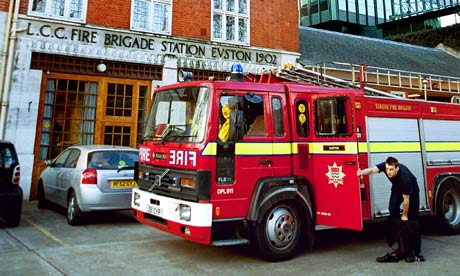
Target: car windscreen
112, 160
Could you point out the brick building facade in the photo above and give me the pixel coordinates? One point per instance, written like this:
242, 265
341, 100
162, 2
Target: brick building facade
83, 71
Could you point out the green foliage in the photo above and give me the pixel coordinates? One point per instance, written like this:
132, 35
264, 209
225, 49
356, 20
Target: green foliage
449, 36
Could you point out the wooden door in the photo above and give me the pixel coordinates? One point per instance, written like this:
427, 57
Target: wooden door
77, 109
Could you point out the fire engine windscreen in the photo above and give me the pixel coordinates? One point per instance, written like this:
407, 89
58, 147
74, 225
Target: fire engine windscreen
178, 115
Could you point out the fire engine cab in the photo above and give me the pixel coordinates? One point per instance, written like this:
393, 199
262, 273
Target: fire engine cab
237, 162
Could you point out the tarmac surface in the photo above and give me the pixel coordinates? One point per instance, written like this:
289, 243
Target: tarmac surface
113, 243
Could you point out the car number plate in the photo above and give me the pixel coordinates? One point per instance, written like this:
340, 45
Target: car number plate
154, 210
123, 184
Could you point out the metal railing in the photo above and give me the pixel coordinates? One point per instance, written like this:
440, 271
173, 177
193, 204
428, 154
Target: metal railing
415, 83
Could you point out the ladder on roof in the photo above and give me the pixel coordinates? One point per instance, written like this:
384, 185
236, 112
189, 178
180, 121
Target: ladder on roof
300, 74
407, 84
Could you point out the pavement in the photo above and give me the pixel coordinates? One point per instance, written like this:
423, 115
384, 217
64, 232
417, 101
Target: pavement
113, 243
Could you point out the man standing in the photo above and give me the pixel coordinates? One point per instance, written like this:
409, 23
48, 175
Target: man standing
405, 191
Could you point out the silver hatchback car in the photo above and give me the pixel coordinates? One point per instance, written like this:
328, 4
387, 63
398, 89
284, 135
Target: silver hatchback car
89, 178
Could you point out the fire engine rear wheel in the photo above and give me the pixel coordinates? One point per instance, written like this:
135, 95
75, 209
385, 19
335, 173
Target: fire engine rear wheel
279, 233
448, 208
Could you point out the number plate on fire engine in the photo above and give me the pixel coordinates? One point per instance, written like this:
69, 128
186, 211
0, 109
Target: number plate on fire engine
123, 184
154, 210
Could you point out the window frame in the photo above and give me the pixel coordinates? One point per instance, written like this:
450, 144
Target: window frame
302, 113
66, 17
150, 17
235, 14
338, 128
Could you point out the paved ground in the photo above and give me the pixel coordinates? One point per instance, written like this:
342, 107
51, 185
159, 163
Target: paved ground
113, 243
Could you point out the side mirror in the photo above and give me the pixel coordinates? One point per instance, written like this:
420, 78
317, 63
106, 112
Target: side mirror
48, 163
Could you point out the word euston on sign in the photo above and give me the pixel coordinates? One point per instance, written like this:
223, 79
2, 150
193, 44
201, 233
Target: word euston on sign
155, 44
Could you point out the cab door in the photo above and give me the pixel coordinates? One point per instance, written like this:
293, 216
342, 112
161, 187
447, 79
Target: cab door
334, 153
252, 129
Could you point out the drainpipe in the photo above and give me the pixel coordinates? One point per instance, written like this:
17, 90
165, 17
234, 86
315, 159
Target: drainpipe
5, 47
7, 62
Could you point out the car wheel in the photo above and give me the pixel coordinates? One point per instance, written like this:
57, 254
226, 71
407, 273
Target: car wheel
73, 211
42, 202
279, 233
448, 208
13, 218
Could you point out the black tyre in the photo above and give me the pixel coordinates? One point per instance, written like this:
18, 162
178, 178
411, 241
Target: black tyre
281, 231
14, 217
42, 202
73, 211
448, 208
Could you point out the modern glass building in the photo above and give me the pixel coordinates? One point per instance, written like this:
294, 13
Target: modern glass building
376, 18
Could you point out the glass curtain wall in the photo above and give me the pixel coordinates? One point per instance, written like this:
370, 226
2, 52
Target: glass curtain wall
366, 12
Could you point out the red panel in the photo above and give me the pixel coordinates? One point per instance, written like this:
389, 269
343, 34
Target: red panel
337, 191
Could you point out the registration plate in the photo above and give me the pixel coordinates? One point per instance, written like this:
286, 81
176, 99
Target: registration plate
123, 184
154, 210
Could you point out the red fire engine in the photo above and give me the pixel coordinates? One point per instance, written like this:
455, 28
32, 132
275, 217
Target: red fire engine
235, 162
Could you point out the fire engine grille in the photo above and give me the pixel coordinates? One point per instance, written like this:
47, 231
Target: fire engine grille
164, 181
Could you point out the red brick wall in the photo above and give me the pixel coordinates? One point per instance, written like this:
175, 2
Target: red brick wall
192, 18
109, 13
4, 5
274, 24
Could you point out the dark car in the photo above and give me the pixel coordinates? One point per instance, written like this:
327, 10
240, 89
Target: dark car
10, 192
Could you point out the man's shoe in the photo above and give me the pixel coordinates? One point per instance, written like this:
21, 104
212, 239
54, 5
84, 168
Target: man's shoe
388, 258
410, 259
418, 258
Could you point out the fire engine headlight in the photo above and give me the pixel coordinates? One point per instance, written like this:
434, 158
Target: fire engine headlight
187, 182
185, 212
136, 197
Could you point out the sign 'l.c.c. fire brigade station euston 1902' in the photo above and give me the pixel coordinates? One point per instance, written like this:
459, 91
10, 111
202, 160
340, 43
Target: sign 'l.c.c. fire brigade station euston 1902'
155, 44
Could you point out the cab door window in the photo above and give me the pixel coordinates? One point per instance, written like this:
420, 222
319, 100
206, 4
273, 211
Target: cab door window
333, 116
241, 116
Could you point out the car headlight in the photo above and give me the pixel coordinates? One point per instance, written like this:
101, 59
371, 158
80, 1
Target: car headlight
185, 212
136, 197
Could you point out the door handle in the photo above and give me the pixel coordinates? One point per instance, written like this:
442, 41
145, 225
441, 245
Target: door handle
349, 163
265, 162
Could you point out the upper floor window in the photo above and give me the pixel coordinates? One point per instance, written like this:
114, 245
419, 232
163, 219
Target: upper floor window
71, 10
230, 21
151, 16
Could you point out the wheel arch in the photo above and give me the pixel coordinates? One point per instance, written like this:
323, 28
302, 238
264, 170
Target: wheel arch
280, 189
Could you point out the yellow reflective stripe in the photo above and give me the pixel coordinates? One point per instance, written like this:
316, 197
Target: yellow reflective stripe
333, 147
362, 147
442, 146
253, 148
210, 149
394, 147
282, 148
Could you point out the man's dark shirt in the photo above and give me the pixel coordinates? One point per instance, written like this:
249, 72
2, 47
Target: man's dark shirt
404, 183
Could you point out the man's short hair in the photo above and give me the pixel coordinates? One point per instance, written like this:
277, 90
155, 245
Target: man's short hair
392, 161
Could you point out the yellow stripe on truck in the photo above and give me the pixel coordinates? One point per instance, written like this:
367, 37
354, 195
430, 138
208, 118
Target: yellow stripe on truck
394, 147
442, 146
333, 147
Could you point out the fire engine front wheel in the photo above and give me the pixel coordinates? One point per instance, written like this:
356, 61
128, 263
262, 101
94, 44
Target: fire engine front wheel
448, 208
279, 232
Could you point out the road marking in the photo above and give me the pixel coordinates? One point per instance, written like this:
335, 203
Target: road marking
47, 233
